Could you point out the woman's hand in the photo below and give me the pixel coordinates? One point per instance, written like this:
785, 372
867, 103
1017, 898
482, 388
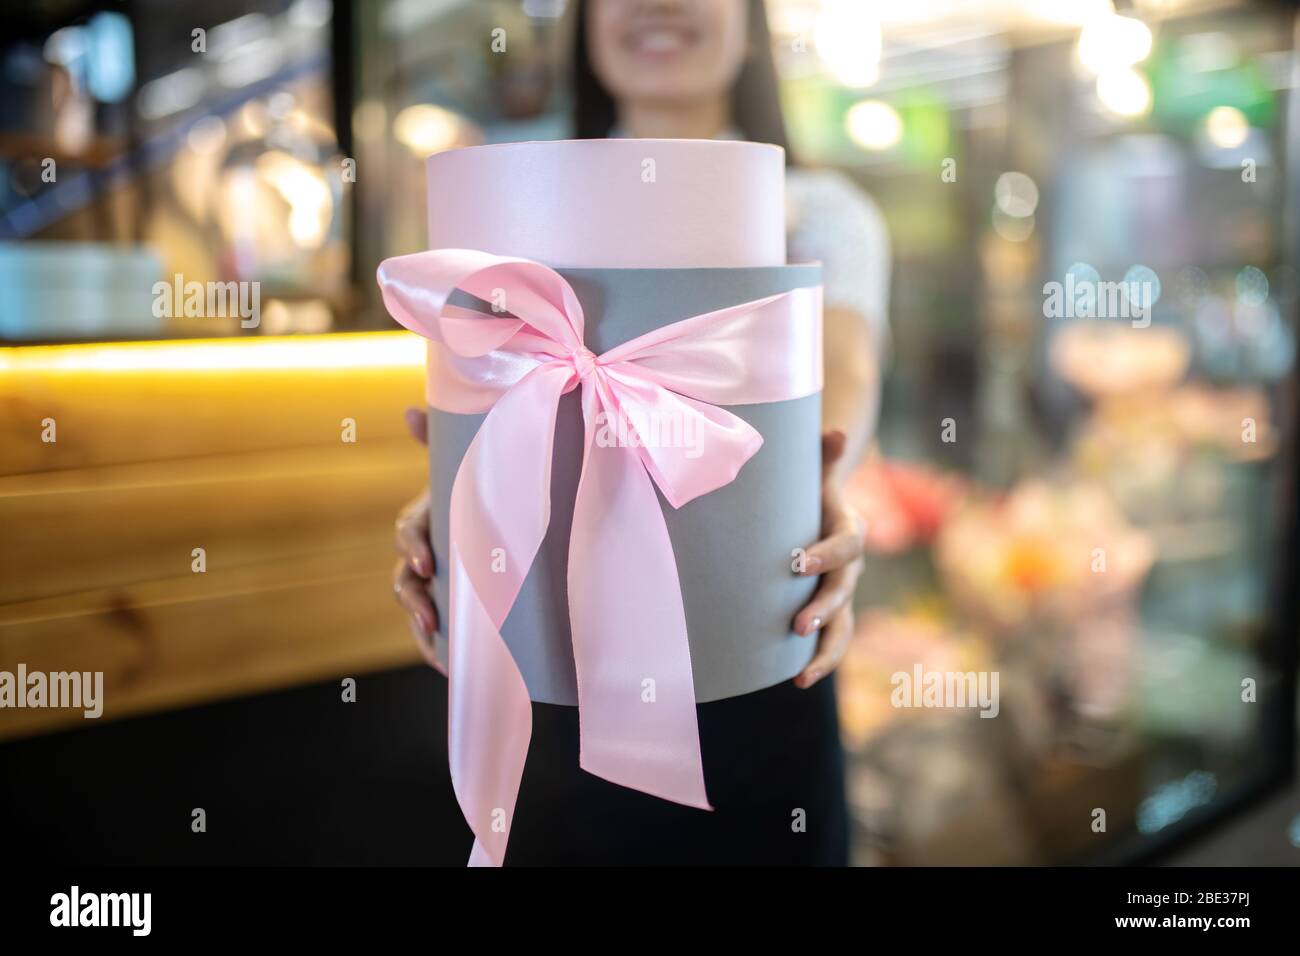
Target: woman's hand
837, 557
414, 569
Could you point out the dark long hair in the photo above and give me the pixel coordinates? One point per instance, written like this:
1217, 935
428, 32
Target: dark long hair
755, 103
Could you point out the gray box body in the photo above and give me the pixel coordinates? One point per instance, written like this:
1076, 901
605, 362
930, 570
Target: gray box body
733, 546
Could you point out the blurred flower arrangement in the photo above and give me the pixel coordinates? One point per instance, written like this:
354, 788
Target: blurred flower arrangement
892, 641
1043, 556
903, 505
1039, 582
1044, 579
1037, 585
1107, 360
1157, 446
1051, 573
1163, 458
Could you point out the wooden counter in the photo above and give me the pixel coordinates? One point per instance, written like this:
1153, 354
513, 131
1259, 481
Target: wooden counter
236, 447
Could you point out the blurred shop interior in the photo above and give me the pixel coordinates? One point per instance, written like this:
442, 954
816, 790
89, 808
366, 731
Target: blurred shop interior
1008, 143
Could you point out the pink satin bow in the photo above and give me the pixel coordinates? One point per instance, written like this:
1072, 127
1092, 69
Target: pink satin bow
636, 695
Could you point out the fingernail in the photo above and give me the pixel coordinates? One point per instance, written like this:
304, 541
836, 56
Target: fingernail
421, 565
814, 625
811, 677
812, 564
426, 624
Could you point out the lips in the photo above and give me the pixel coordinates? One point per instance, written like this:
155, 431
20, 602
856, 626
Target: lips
660, 40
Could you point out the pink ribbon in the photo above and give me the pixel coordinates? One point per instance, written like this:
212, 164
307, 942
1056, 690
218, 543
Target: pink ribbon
636, 696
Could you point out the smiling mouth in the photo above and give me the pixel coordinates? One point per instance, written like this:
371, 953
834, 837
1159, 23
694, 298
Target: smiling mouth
660, 41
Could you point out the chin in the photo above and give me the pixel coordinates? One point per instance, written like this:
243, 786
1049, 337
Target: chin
668, 85
666, 93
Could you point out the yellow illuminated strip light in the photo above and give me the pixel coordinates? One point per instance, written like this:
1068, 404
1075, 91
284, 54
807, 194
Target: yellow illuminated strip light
335, 351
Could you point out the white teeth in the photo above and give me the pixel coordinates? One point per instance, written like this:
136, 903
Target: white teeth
660, 41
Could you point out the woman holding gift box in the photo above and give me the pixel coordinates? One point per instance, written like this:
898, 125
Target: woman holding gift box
677, 69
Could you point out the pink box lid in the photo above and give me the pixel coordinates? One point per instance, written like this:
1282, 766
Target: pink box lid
613, 203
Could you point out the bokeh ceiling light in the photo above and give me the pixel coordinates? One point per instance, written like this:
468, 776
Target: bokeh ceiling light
303, 187
426, 129
1141, 286
874, 125
1252, 286
1016, 195
1124, 92
847, 38
1227, 127
1110, 42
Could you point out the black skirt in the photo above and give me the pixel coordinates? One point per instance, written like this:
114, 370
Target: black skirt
773, 769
